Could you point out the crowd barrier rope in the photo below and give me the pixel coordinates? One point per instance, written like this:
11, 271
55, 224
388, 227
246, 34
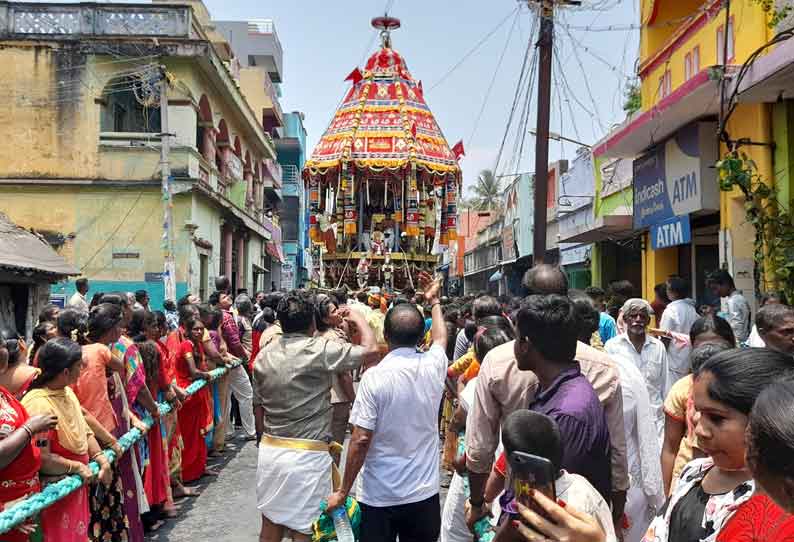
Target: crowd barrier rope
31, 506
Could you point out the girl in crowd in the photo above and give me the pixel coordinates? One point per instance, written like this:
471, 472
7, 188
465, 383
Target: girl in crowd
124, 389
770, 444
41, 334
18, 374
680, 445
155, 327
711, 489
212, 318
108, 516
770, 448
71, 444
20, 460
155, 480
193, 416
49, 313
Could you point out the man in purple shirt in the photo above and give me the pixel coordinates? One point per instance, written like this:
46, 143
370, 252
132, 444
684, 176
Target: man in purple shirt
546, 345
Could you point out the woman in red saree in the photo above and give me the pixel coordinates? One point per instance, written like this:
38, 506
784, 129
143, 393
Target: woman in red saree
68, 447
20, 459
190, 365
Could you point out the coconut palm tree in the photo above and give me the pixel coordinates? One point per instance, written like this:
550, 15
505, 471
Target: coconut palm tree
486, 194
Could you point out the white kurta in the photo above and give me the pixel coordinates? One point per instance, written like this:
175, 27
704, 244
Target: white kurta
643, 450
653, 364
679, 317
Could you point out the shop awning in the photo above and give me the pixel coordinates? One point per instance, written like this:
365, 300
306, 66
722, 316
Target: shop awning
697, 98
259, 270
496, 277
275, 251
22, 252
603, 228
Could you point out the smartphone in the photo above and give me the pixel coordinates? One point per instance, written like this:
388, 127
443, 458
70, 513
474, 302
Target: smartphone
529, 471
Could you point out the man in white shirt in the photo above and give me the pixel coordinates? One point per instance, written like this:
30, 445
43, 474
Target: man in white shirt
646, 352
395, 433
735, 308
679, 316
78, 300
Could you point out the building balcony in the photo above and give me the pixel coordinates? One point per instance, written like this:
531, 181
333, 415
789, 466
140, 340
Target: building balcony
291, 174
272, 178
94, 19
256, 43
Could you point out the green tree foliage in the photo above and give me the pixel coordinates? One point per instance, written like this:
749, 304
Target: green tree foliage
774, 230
633, 98
486, 194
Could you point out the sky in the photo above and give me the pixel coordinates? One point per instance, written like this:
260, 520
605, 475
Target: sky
470, 93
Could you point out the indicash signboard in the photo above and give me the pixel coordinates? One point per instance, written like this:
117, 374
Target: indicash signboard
677, 177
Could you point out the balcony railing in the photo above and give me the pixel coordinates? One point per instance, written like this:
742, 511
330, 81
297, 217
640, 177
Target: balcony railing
266, 26
234, 168
93, 19
291, 174
274, 172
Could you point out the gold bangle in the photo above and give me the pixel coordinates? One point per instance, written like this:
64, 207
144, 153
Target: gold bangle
69, 470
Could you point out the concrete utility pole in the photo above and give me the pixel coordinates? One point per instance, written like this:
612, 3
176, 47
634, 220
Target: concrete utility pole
545, 47
169, 265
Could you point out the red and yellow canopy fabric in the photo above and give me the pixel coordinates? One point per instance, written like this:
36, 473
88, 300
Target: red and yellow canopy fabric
383, 122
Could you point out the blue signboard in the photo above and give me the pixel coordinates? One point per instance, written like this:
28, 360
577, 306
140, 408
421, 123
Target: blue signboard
676, 178
671, 232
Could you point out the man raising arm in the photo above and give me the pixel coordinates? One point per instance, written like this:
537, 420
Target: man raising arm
399, 464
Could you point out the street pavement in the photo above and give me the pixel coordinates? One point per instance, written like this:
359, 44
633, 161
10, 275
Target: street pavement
226, 509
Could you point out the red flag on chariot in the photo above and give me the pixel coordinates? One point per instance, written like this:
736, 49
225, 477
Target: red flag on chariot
355, 76
457, 150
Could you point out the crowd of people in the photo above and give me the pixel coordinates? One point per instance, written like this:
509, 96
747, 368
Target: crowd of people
653, 421
94, 370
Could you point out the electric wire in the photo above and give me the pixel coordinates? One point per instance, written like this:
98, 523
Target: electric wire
587, 86
565, 93
593, 54
526, 111
516, 97
473, 50
115, 231
493, 81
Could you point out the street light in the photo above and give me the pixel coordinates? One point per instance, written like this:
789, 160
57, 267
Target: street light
558, 137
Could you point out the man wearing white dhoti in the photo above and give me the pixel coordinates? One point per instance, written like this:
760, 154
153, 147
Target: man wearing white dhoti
293, 375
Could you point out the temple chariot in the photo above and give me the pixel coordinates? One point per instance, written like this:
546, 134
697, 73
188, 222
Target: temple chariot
382, 182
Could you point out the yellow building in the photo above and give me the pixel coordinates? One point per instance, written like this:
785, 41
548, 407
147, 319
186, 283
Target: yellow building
80, 160
689, 227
